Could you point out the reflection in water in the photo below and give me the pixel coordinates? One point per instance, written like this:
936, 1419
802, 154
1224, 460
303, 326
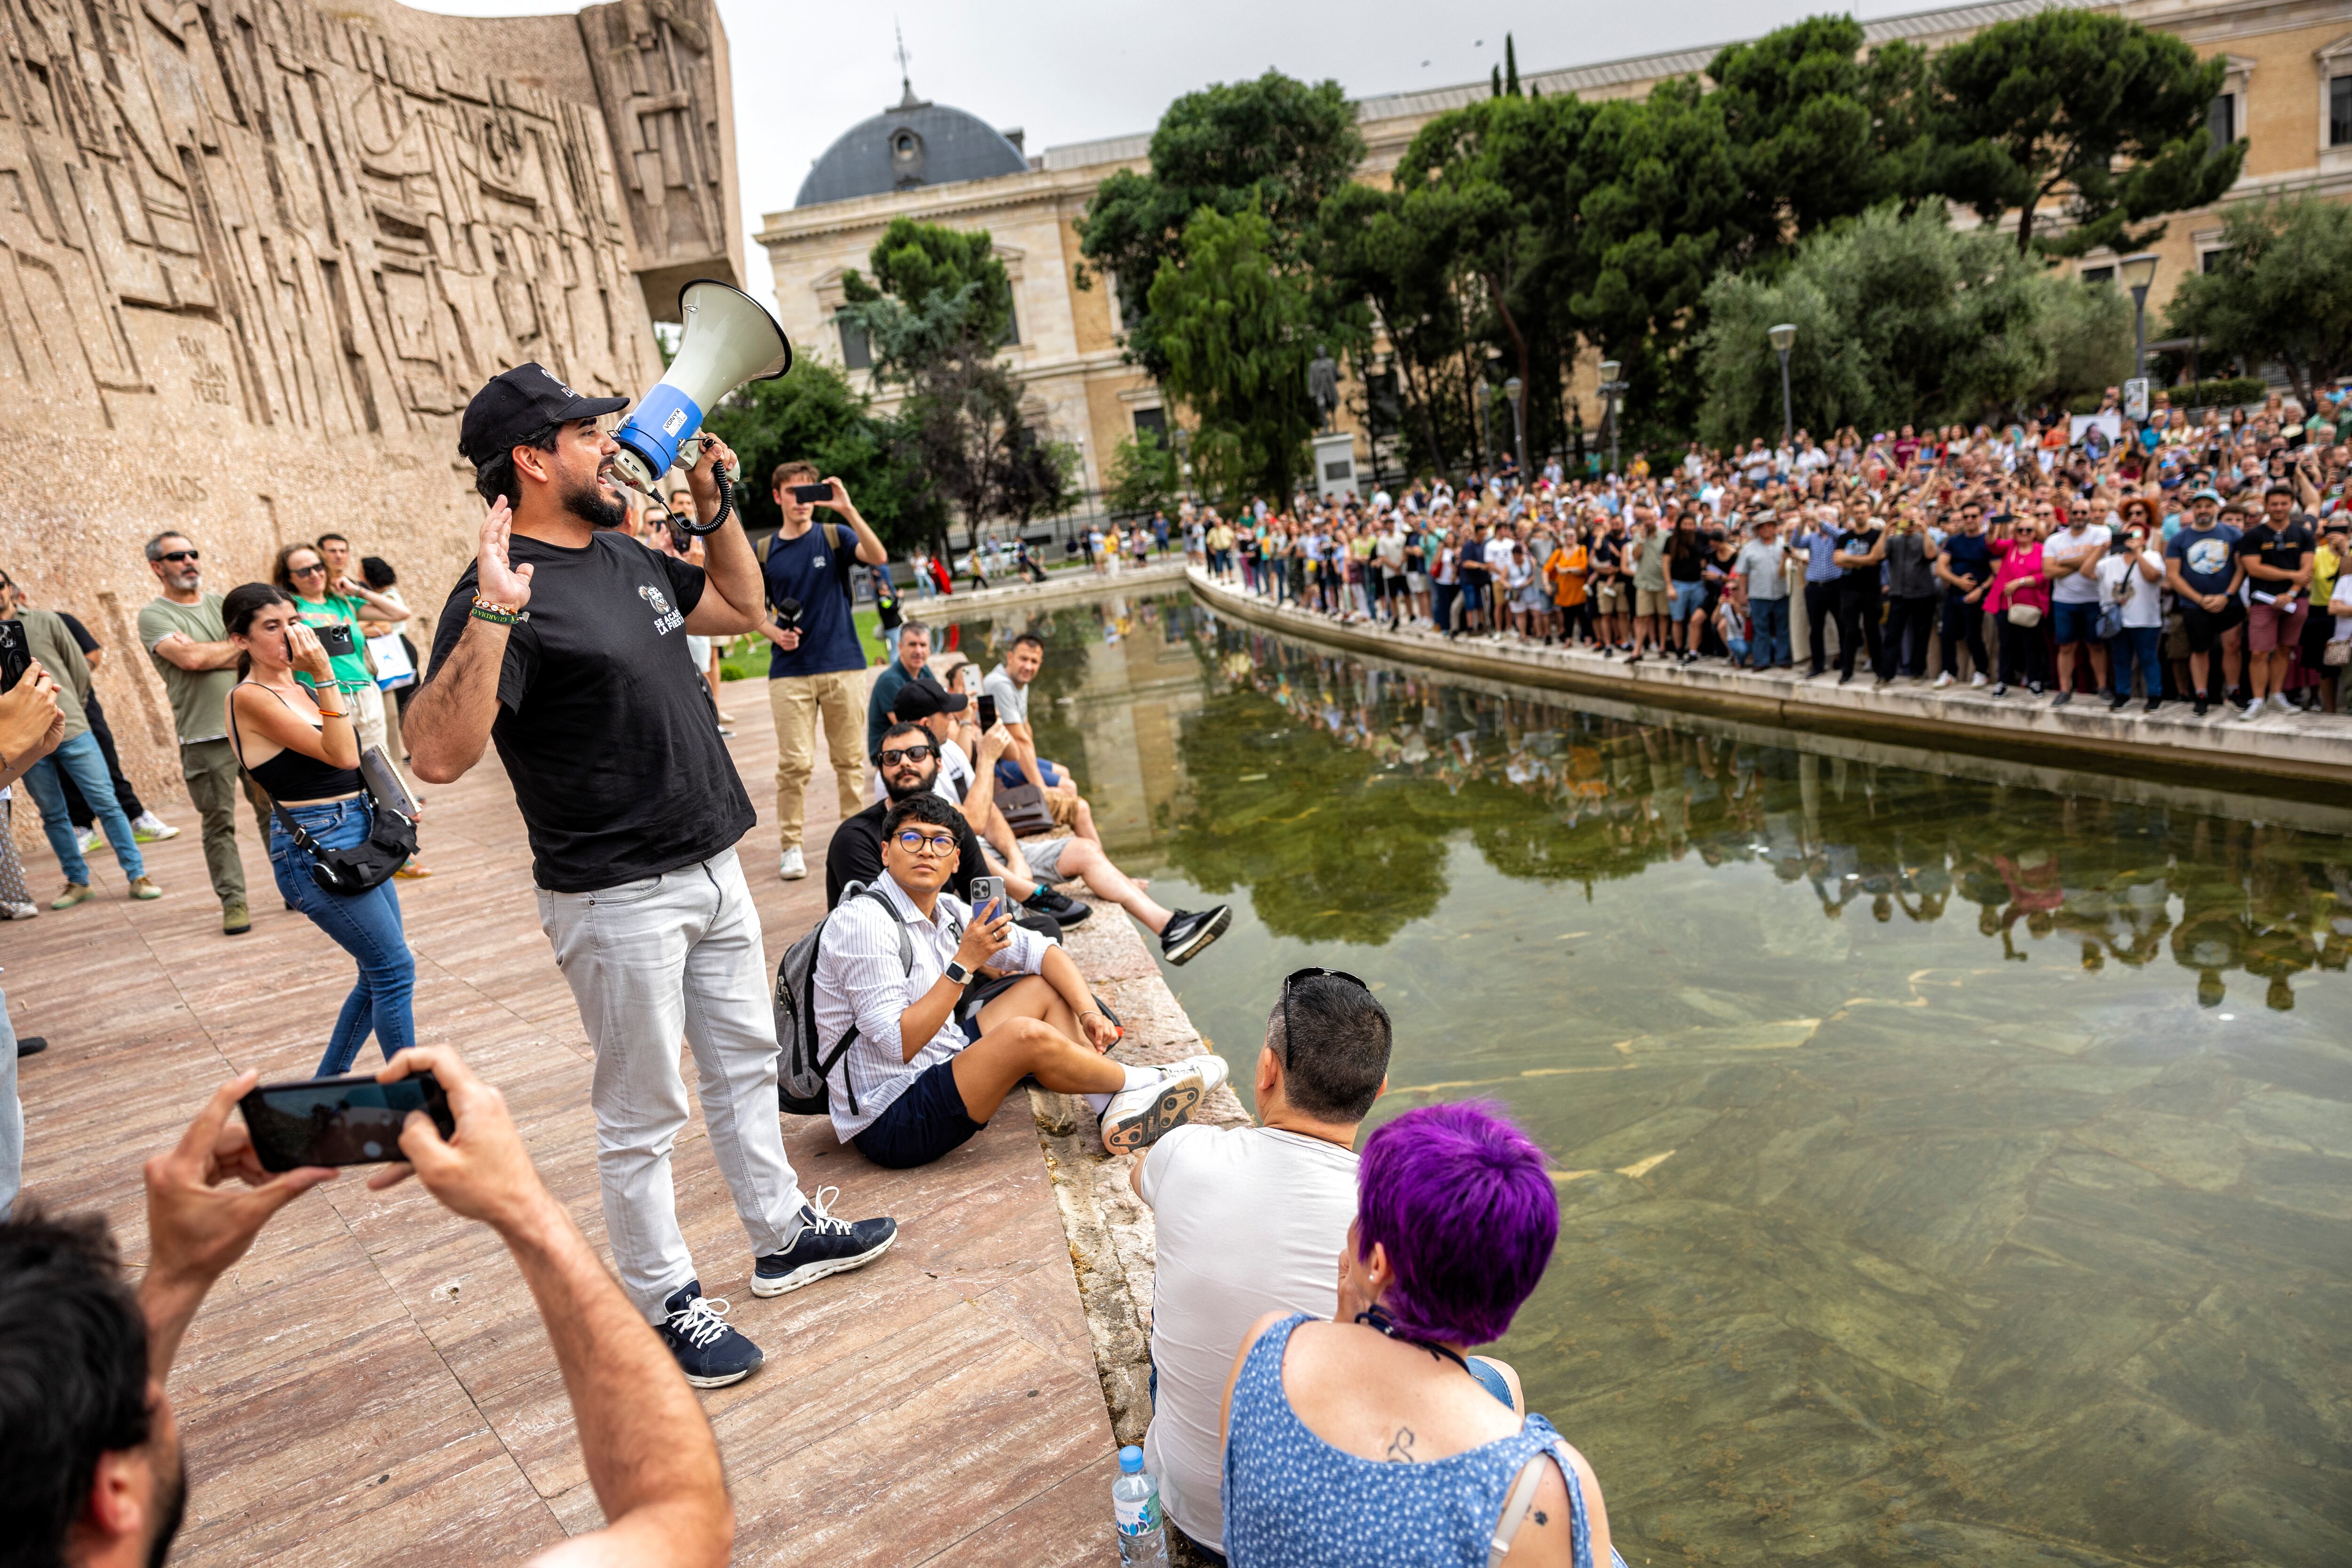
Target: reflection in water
1956, 1158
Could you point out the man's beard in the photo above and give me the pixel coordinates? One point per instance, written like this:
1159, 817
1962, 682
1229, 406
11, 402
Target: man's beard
172, 1505
587, 503
891, 786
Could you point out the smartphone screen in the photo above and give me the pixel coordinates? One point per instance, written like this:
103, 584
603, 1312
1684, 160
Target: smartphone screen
813, 493
339, 1121
987, 713
987, 891
15, 654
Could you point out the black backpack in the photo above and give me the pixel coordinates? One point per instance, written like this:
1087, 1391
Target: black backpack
802, 1086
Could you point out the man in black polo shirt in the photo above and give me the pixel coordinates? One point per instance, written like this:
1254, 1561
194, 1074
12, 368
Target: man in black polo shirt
634, 811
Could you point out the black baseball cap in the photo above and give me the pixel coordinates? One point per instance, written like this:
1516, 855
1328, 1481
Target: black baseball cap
920, 700
514, 402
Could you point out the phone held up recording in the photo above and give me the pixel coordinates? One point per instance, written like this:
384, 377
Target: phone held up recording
811, 495
15, 654
987, 706
339, 1121
987, 892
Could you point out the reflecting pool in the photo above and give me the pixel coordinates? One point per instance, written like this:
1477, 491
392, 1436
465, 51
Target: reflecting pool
1955, 1156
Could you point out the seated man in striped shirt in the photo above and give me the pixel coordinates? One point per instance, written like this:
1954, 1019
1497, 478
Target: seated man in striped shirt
934, 1044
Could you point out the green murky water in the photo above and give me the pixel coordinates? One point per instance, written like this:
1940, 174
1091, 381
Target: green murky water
1955, 1156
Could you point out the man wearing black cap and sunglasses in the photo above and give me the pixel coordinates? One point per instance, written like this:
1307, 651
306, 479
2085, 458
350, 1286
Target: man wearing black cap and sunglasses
561, 644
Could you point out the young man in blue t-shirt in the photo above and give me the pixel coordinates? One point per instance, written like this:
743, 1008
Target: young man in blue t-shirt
2202, 569
817, 666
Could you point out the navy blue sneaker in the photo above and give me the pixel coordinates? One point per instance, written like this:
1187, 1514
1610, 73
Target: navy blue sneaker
711, 1354
824, 1246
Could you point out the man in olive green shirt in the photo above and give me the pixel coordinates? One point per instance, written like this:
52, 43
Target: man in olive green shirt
181, 632
79, 756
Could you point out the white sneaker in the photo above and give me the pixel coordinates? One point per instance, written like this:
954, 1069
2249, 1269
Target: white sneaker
2279, 701
792, 867
1943, 680
148, 829
1977, 679
1136, 1118
19, 911
87, 839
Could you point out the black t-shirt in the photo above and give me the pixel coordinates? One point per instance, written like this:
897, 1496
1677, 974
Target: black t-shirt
2281, 548
1859, 541
1971, 558
855, 854
603, 723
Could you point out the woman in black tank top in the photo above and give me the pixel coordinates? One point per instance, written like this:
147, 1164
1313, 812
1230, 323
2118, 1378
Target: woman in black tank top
302, 751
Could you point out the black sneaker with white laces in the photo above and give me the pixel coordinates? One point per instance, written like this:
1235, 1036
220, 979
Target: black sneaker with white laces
1057, 906
824, 1246
1186, 934
709, 1352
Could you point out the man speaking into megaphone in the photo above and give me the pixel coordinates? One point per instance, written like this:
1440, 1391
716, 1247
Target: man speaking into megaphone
563, 644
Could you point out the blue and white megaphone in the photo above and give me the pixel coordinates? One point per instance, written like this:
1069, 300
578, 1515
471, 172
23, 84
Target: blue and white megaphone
730, 340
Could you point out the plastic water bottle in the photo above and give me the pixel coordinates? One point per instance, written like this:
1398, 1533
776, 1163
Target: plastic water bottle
1135, 1500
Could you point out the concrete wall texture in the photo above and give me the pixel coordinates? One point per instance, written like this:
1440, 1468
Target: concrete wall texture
254, 257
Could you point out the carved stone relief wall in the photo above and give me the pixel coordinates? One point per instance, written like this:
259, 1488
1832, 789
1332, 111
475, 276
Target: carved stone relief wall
254, 257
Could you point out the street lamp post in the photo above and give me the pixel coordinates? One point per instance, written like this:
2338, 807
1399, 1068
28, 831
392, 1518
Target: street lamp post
1518, 427
1612, 389
2139, 273
1784, 337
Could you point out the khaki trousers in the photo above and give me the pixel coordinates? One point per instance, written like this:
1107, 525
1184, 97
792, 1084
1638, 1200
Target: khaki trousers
210, 770
795, 703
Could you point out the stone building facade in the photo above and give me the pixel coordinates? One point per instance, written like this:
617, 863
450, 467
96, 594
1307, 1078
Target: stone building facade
2289, 91
255, 256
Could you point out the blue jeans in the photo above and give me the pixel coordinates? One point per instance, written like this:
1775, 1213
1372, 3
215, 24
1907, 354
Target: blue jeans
80, 759
367, 926
1771, 645
2141, 646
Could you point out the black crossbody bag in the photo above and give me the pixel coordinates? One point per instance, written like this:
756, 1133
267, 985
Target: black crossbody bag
392, 831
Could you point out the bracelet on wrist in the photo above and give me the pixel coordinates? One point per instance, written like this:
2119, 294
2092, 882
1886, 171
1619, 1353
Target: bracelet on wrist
496, 614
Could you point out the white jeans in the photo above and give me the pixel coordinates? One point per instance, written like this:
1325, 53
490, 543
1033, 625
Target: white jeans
677, 953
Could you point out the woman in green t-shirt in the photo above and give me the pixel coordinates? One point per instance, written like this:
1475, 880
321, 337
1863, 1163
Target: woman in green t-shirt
302, 573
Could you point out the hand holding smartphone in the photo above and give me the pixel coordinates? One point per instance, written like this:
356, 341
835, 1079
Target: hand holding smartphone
987, 898
818, 494
352, 1120
987, 705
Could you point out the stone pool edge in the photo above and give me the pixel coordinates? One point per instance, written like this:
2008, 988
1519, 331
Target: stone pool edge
1108, 1229
2267, 751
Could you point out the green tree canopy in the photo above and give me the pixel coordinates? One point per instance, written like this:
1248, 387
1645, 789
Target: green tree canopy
938, 293
1274, 145
1241, 331
1904, 319
2282, 292
1143, 477
814, 415
2086, 106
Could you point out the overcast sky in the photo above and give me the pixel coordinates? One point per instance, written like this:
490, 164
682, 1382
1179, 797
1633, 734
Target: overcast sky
1072, 70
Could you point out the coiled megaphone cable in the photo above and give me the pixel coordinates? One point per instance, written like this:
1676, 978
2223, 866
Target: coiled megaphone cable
726, 505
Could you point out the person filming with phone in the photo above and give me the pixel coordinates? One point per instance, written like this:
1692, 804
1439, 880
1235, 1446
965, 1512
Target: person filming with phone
633, 809
301, 742
96, 1472
816, 672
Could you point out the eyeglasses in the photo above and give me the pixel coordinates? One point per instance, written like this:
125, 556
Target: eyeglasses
939, 848
1294, 977
310, 570
177, 555
909, 754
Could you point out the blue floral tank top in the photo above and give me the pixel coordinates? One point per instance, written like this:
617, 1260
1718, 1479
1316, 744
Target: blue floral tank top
1293, 1500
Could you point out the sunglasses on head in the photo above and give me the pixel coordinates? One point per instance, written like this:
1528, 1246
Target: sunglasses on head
1295, 975
891, 759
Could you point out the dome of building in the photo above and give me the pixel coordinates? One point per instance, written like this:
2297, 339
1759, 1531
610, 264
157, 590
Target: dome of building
914, 144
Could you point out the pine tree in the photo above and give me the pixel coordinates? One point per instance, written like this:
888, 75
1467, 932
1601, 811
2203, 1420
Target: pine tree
1510, 66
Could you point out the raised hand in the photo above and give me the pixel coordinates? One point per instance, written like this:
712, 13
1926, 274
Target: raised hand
306, 653
497, 581
197, 1222
483, 1173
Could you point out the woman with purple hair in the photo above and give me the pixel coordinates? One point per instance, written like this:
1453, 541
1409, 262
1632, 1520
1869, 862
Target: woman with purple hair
1374, 1439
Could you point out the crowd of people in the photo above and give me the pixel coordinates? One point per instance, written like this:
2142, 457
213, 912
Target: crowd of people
578, 644
2173, 559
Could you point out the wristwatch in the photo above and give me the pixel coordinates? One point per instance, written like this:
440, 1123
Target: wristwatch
958, 973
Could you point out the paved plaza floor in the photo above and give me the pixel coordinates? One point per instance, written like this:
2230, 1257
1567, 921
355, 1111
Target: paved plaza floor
371, 1382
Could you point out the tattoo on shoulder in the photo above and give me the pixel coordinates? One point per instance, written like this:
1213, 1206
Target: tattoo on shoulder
1401, 1447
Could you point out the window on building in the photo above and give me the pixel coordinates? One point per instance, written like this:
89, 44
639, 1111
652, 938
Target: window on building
1013, 320
2211, 260
2222, 120
2098, 274
856, 351
1154, 420
2339, 111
